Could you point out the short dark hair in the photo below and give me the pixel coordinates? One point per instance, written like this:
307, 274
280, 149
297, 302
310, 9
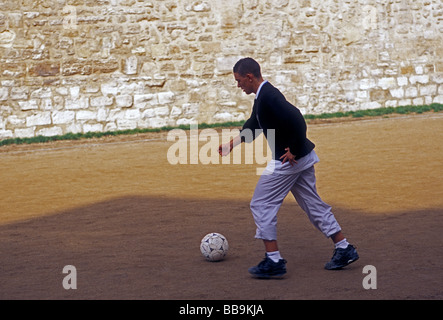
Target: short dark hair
247, 65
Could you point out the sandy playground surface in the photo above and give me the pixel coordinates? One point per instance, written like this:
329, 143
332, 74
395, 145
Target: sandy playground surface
131, 223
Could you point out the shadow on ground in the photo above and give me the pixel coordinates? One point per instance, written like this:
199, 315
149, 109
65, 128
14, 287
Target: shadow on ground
148, 248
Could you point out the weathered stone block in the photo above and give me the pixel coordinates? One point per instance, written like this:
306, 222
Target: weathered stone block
13, 70
402, 81
41, 93
380, 95
366, 84
40, 119
19, 93
63, 117
132, 114
123, 101
76, 67
406, 70
105, 66
109, 88
166, 97
126, 124
157, 122
371, 105
81, 103
423, 79
44, 69
225, 64
398, 93
387, 83
101, 101
161, 111
49, 132
438, 99
86, 115
428, 90
142, 100
98, 127
4, 94
411, 92
130, 65
6, 134
15, 121
28, 105
24, 133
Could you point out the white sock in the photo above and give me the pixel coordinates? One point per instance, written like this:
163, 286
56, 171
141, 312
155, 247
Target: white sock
343, 244
274, 256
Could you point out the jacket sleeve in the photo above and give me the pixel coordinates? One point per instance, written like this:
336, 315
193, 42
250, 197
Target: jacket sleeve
248, 131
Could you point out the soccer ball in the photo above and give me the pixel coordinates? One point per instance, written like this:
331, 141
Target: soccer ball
214, 246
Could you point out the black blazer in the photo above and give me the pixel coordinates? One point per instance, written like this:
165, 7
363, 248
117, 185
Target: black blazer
271, 110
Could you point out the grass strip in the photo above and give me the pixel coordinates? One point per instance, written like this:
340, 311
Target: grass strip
435, 107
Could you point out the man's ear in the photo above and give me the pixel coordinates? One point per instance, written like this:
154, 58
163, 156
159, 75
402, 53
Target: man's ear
250, 77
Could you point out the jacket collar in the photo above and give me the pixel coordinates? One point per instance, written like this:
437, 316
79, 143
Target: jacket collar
259, 88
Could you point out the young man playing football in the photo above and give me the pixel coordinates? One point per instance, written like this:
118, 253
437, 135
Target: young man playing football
291, 170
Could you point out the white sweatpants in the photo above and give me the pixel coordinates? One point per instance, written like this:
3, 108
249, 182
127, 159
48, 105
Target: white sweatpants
273, 187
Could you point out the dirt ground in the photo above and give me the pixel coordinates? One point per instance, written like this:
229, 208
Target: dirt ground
131, 223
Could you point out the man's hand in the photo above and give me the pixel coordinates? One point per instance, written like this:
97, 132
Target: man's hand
225, 149
288, 157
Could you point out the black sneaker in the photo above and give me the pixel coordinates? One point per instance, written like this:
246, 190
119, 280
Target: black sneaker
269, 269
342, 257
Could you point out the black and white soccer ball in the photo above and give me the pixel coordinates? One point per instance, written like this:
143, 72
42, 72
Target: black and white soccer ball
214, 246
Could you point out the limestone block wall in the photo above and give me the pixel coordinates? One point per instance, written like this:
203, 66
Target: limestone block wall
101, 65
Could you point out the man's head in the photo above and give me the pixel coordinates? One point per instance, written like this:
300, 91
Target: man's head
247, 65
247, 73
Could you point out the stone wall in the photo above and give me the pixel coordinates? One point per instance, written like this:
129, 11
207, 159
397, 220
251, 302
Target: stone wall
102, 65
